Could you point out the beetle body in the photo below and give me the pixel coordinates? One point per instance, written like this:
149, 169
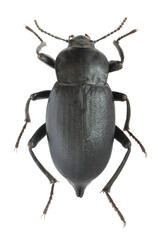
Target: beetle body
80, 118
80, 129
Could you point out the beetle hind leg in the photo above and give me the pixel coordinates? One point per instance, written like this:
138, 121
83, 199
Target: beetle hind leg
38, 135
115, 207
122, 138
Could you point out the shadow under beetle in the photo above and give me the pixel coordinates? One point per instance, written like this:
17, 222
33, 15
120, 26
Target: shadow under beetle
80, 118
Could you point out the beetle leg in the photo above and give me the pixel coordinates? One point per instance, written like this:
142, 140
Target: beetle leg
34, 96
38, 135
122, 138
117, 65
44, 57
47, 59
123, 97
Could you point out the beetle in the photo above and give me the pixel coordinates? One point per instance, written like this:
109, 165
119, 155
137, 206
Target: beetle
80, 117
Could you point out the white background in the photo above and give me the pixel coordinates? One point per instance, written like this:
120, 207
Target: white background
24, 190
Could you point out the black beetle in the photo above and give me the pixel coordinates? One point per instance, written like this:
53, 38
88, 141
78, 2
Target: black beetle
80, 120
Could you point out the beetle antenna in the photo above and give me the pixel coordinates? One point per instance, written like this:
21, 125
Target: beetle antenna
112, 31
127, 34
51, 35
28, 28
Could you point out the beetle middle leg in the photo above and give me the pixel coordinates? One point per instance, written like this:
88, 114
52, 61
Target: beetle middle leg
123, 97
33, 97
38, 135
122, 138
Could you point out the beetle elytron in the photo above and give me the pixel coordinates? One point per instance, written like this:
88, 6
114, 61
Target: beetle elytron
80, 119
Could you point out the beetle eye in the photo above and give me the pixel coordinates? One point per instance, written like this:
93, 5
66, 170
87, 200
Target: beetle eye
71, 36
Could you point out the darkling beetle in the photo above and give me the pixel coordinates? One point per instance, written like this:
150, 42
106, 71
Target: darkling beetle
80, 118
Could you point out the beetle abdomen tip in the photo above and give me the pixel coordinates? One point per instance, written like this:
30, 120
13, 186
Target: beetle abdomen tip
79, 190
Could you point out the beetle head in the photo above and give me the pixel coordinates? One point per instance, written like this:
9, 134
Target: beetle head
80, 41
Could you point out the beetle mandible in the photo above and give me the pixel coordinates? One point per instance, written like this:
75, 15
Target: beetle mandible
80, 118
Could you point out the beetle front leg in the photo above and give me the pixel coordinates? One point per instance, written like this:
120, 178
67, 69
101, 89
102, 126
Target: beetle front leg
123, 98
38, 135
117, 65
44, 57
122, 138
33, 97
